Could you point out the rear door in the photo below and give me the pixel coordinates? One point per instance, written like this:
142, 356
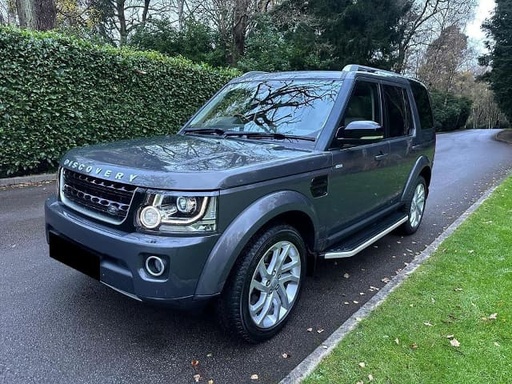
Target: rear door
398, 131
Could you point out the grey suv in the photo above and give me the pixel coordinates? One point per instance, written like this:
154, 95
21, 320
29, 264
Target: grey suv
275, 171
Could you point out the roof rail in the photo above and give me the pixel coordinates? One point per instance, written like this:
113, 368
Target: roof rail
363, 68
252, 73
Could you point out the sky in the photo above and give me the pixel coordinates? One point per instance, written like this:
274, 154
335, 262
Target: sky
483, 11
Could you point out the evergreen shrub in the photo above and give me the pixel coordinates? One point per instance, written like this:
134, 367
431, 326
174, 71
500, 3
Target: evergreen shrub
58, 92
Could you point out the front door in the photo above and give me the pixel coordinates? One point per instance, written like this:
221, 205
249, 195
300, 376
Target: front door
360, 177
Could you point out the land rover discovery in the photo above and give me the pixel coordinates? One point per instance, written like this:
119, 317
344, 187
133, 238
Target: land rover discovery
277, 169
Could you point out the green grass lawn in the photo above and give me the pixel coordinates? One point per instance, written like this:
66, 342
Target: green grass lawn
449, 322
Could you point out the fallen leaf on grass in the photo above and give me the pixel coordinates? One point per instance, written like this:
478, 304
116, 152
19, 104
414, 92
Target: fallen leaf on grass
494, 316
453, 341
397, 341
370, 377
428, 324
496, 344
414, 346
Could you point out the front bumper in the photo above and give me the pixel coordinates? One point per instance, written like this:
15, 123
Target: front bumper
117, 258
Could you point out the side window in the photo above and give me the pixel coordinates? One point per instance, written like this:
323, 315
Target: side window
423, 105
363, 104
398, 111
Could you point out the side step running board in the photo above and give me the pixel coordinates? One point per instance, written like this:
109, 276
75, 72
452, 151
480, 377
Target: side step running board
343, 252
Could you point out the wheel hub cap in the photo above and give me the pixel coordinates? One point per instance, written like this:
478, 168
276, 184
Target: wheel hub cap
274, 285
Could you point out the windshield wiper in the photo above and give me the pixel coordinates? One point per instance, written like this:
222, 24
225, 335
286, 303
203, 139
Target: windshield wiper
268, 135
248, 134
206, 131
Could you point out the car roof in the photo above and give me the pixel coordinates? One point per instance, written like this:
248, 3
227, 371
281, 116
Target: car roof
350, 71
291, 75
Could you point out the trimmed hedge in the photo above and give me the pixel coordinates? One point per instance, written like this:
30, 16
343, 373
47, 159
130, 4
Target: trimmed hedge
58, 92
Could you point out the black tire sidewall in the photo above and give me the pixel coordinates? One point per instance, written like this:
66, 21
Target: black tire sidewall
242, 277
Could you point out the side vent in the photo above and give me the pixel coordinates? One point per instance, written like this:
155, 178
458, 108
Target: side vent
319, 186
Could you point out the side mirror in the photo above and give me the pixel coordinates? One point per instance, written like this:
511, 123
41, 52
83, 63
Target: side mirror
360, 132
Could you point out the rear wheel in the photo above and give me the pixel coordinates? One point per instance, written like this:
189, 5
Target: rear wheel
265, 284
415, 206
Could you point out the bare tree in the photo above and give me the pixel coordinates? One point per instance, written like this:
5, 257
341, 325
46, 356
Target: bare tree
444, 59
233, 19
423, 22
127, 15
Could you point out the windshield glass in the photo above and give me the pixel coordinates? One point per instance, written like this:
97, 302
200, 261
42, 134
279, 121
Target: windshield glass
287, 107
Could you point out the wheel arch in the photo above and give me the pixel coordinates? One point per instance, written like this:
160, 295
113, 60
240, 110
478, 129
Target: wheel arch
289, 207
423, 168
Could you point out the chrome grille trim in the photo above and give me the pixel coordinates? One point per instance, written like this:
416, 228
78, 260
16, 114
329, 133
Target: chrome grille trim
105, 200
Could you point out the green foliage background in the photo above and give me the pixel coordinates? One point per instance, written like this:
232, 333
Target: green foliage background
451, 112
499, 33
58, 92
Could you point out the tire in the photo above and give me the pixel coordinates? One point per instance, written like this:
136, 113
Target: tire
415, 206
264, 286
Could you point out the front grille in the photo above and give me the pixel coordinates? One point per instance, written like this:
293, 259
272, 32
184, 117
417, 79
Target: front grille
108, 199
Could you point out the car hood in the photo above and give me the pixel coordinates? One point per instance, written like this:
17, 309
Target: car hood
191, 162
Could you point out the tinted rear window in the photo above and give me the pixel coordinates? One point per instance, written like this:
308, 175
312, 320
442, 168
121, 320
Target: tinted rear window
423, 104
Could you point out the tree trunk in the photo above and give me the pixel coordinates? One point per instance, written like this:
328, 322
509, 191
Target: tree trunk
45, 14
145, 11
11, 12
123, 32
181, 14
240, 21
25, 10
36, 14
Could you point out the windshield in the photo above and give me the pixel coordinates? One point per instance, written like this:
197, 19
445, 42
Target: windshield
285, 107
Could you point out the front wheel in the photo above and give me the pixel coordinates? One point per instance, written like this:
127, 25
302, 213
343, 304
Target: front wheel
265, 284
415, 206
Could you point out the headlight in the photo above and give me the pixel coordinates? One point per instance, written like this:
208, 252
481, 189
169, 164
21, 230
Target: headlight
172, 212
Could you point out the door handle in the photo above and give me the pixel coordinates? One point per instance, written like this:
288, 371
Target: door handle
381, 156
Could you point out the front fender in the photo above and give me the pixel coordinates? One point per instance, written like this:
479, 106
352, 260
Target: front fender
242, 229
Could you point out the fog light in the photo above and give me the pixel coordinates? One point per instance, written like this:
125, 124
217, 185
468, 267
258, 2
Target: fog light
150, 217
155, 266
